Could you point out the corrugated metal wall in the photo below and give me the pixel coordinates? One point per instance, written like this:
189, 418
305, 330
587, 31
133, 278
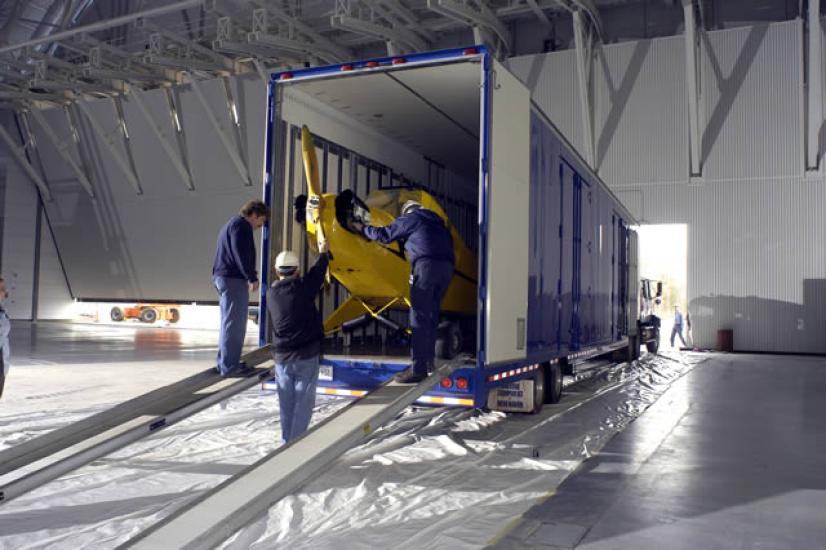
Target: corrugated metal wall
751, 101
117, 245
756, 230
552, 79
18, 217
640, 112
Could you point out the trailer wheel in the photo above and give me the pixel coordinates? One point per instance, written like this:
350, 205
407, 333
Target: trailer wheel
116, 314
652, 346
174, 315
449, 342
633, 348
553, 387
149, 315
538, 391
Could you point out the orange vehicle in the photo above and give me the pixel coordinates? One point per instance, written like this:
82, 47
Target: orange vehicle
147, 313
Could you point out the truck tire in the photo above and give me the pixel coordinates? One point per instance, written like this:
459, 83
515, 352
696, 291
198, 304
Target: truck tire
538, 391
174, 315
553, 383
148, 315
449, 342
652, 346
116, 314
633, 348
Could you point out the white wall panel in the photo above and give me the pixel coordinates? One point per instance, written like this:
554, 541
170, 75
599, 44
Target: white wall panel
19, 215
19, 208
756, 258
752, 102
641, 112
552, 79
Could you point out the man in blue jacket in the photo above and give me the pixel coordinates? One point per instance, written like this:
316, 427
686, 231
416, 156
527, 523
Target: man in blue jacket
429, 248
235, 277
296, 330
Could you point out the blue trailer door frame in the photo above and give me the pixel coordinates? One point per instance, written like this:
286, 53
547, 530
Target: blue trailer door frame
274, 91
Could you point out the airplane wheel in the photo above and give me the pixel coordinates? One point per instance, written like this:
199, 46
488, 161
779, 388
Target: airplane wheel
149, 315
116, 314
449, 342
174, 315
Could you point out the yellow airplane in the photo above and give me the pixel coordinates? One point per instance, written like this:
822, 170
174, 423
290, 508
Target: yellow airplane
376, 275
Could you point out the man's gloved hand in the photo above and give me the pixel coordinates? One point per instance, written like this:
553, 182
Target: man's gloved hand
323, 246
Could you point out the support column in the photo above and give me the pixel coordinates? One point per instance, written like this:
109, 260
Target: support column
691, 70
584, 58
815, 87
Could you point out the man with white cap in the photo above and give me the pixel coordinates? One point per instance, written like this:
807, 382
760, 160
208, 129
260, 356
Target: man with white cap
429, 248
297, 331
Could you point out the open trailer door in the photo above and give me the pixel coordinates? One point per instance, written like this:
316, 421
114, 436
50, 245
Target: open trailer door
506, 217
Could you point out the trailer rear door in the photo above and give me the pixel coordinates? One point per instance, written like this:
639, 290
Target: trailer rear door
507, 217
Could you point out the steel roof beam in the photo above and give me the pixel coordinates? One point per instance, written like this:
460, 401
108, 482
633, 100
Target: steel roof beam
390, 34
104, 24
540, 13
482, 17
320, 41
209, 53
404, 15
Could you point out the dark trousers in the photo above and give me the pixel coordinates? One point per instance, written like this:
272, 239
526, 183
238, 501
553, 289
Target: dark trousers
428, 285
677, 330
234, 301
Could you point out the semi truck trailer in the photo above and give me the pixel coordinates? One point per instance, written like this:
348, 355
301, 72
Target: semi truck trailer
556, 275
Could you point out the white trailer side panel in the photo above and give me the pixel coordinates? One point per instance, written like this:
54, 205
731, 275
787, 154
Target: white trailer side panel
506, 307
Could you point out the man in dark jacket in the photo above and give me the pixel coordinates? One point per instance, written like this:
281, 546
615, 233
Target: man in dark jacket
235, 277
429, 248
297, 330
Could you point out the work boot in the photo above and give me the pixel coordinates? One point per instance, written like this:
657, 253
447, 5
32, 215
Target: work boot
241, 371
410, 376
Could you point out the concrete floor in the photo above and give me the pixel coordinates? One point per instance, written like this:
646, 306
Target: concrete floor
104, 364
731, 456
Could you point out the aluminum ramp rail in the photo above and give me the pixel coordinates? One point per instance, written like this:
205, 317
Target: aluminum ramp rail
219, 513
31, 464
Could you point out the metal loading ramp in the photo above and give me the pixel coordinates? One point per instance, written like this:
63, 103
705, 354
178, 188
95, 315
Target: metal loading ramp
29, 465
219, 513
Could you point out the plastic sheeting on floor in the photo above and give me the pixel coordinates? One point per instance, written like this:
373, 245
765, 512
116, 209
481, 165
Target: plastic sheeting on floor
434, 477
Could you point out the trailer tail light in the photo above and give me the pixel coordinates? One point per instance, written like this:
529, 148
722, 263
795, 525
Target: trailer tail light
285, 76
372, 64
446, 383
399, 61
461, 383
470, 51
346, 67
